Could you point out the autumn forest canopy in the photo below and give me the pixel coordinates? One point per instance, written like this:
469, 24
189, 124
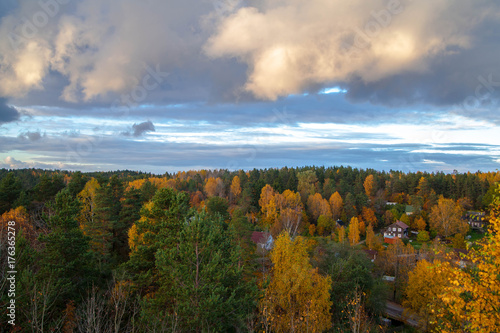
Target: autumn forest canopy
309, 249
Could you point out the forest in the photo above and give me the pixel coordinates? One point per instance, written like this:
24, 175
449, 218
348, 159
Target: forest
273, 250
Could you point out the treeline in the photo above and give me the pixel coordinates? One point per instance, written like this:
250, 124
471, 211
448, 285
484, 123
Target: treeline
27, 185
129, 251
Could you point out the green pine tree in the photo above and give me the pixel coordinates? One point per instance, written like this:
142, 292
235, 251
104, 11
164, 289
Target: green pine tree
10, 189
202, 277
65, 258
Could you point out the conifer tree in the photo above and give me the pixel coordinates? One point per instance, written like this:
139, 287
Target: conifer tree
65, 258
201, 278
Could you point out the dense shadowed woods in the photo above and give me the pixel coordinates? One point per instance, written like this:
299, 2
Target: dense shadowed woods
275, 250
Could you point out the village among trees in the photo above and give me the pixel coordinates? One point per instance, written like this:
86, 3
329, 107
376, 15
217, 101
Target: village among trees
311, 249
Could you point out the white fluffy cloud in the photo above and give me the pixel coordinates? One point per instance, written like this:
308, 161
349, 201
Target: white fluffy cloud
291, 46
433, 51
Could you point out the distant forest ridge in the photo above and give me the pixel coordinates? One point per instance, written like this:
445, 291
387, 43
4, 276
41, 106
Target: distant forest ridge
395, 186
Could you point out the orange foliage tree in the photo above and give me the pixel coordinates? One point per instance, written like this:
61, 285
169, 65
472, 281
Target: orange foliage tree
318, 206
369, 216
235, 189
211, 187
368, 185
354, 231
21, 218
337, 205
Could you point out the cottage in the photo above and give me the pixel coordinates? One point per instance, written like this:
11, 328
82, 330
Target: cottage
371, 254
476, 220
409, 210
264, 241
396, 230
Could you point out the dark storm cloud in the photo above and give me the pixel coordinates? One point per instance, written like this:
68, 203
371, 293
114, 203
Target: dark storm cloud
7, 113
140, 129
290, 111
94, 51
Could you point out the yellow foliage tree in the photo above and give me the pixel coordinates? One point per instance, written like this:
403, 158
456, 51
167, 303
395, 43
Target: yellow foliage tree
290, 212
370, 237
420, 223
21, 217
425, 283
235, 189
400, 260
298, 297
446, 218
473, 297
268, 207
362, 227
354, 231
337, 204
135, 184
341, 234
162, 182
312, 229
211, 186
368, 185
88, 220
405, 219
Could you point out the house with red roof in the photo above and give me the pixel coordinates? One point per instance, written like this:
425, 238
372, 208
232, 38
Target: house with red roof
396, 230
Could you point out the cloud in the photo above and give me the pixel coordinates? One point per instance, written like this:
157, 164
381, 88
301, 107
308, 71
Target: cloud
392, 52
31, 136
11, 163
96, 47
140, 129
7, 113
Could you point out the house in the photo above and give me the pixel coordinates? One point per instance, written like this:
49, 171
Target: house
476, 220
396, 230
264, 241
340, 223
372, 254
409, 210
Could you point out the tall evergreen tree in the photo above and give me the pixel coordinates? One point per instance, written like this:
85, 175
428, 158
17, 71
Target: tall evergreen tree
10, 189
158, 227
65, 258
201, 279
129, 214
108, 213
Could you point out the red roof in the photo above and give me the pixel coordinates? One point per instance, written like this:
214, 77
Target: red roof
260, 237
372, 254
401, 224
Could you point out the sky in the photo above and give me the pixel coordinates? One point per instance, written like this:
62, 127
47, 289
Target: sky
164, 86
